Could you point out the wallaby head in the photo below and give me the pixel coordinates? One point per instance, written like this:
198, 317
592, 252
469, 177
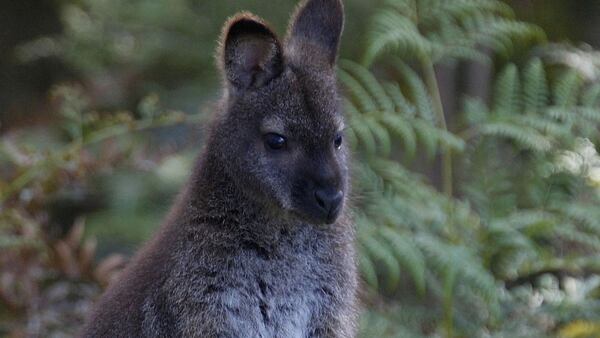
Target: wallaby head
280, 133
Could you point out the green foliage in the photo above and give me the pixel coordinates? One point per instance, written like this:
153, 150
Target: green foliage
380, 111
442, 30
524, 209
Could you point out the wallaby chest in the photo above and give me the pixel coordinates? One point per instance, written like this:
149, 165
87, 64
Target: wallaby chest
278, 287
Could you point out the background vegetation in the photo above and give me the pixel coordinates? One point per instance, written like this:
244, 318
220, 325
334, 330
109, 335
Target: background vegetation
475, 133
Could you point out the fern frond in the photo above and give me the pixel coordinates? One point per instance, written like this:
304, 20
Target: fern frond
526, 137
503, 35
379, 110
363, 134
367, 270
358, 94
591, 96
379, 252
408, 254
587, 216
427, 136
543, 125
402, 105
369, 83
439, 30
571, 233
417, 89
393, 31
567, 88
467, 266
381, 135
589, 114
402, 128
506, 91
462, 9
535, 86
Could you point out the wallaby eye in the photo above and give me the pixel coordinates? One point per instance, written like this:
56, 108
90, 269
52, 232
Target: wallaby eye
274, 141
337, 142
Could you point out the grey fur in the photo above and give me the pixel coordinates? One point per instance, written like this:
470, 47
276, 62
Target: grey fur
245, 251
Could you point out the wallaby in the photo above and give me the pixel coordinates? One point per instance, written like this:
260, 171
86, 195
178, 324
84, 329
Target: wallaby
259, 243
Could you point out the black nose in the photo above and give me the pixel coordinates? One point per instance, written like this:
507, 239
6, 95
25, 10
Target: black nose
329, 201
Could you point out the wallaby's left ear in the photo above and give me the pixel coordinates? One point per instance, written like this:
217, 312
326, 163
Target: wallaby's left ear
315, 31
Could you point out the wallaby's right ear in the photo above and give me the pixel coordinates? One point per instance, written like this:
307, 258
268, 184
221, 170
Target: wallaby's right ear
250, 53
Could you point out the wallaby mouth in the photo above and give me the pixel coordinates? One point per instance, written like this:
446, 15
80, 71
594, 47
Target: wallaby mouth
324, 207
329, 202
334, 214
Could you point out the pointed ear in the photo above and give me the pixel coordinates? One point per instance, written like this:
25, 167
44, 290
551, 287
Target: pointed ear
250, 54
315, 30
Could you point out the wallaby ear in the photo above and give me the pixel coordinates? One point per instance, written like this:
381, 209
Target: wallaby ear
315, 30
250, 53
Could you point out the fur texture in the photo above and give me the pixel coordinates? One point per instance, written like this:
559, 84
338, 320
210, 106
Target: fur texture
250, 249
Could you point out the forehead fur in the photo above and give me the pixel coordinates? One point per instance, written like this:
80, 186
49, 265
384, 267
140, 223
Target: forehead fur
303, 102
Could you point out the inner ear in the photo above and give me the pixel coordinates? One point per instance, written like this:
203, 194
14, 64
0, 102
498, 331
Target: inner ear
251, 54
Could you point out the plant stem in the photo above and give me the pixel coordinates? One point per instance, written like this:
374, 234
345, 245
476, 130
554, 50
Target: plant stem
449, 280
434, 91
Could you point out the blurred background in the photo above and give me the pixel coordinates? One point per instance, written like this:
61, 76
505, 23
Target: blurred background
474, 125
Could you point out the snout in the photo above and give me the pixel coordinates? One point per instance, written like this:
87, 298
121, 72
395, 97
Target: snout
329, 203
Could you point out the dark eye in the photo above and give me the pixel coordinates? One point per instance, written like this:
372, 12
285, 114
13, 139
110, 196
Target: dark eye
337, 142
274, 141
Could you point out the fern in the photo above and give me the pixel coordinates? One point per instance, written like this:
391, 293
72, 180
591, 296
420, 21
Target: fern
535, 86
506, 98
456, 266
379, 111
447, 29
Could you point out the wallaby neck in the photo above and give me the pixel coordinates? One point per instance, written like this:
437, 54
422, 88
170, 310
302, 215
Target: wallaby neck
213, 197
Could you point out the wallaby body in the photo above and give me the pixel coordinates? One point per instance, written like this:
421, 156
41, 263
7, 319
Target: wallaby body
259, 243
